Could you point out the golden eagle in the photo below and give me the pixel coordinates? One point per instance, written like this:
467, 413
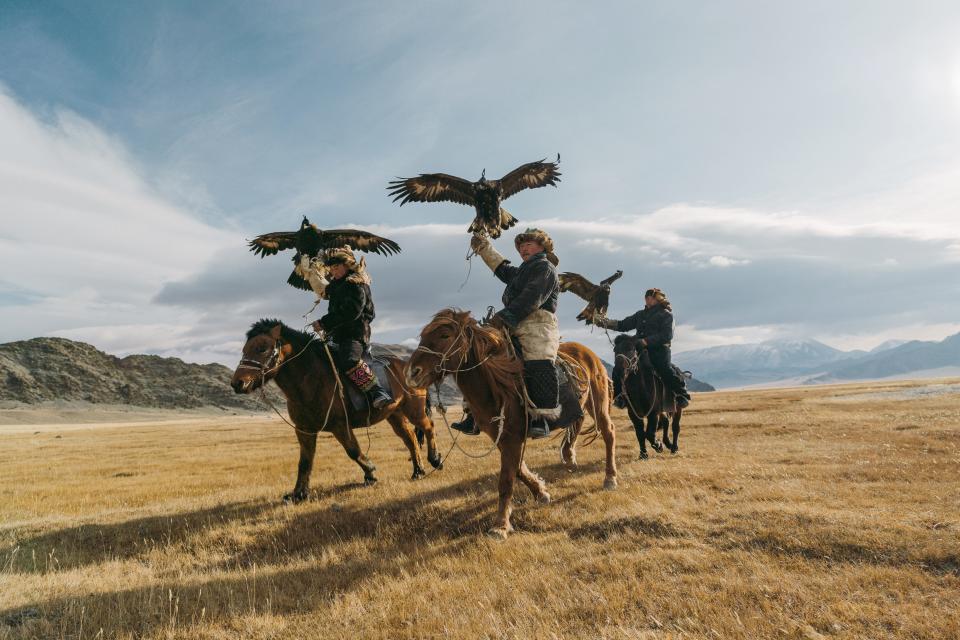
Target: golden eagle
310, 241
597, 296
484, 195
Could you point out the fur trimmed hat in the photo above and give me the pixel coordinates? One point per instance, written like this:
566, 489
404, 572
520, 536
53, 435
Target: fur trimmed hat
340, 256
344, 256
659, 296
540, 237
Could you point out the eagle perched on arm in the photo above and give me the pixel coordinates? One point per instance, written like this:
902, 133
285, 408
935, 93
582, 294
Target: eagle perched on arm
311, 242
483, 195
597, 296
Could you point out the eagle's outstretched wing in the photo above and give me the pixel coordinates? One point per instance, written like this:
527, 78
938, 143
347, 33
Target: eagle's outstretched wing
612, 278
295, 279
270, 244
357, 240
432, 187
531, 176
576, 283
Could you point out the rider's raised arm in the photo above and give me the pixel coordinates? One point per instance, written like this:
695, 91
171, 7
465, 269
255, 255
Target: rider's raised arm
500, 266
627, 324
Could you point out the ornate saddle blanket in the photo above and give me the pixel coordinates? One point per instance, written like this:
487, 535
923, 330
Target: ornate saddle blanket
356, 398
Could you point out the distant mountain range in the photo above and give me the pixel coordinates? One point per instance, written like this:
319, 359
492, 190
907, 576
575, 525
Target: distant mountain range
55, 369
812, 362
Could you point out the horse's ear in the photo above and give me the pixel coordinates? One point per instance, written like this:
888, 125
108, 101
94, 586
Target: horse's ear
275, 332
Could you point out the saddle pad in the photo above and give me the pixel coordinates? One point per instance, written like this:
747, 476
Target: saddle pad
358, 399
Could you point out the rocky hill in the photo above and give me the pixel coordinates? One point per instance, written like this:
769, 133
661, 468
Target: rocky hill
56, 369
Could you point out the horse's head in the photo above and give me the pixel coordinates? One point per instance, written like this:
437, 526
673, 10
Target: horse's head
444, 347
262, 355
624, 345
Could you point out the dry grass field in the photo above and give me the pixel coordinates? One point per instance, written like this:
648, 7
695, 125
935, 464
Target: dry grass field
795, 513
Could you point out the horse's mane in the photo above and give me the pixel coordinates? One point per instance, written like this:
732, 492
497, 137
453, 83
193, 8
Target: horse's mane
298, 339
502, 368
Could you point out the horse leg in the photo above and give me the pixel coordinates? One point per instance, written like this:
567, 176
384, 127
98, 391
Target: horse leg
509, 465
653, 420
348, 440
535, 483
641, 435
665, 427
568, 450
425, 426
605, 425
675, 445
403, 429
308, 448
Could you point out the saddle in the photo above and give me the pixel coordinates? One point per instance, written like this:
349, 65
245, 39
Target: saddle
626, 346
357, 399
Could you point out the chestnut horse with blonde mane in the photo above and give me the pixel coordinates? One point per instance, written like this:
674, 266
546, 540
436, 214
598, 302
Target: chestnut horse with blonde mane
490, 378
303, 370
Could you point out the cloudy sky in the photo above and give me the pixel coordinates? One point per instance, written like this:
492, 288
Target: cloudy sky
780, 169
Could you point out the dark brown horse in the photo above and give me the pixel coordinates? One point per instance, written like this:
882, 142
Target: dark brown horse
302, 369
648, 399
490, 378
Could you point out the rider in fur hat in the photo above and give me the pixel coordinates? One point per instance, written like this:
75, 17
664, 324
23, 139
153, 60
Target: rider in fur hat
654, 325
347, 322
529, 315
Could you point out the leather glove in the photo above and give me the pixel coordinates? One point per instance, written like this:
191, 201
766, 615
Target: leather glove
318, 328
477, 241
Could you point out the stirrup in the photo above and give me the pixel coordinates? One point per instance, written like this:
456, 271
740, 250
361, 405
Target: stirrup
379, 398
538, 428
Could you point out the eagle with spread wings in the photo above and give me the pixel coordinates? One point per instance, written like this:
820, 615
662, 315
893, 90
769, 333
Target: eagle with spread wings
310, 241
596, 295
483, 195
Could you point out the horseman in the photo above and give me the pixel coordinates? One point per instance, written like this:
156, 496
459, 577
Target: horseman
347, 322
529, 316
654, 326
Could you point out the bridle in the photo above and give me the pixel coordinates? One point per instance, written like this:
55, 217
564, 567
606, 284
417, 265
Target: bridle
461, 344
269, 366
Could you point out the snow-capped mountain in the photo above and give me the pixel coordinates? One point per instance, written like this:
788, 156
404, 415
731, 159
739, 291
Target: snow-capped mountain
812, 362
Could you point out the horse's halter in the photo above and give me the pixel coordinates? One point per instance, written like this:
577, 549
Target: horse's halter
272, 363
457, 345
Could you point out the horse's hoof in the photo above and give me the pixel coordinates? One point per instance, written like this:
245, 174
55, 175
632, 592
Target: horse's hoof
657, 446
417, 474
543, 498
643, 455
610, 484
436, 463
674, 451
294, 497
498, 533
369, 481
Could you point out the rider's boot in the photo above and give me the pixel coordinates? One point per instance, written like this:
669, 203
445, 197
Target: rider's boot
466, 424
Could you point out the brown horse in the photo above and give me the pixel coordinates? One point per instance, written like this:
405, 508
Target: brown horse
302, 369
648, 399
490, 378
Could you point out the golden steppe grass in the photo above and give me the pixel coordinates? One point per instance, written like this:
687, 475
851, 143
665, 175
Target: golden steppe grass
800, 513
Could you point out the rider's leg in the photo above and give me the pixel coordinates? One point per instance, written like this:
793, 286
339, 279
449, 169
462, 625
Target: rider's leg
540, 377
351, 364
660, 359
